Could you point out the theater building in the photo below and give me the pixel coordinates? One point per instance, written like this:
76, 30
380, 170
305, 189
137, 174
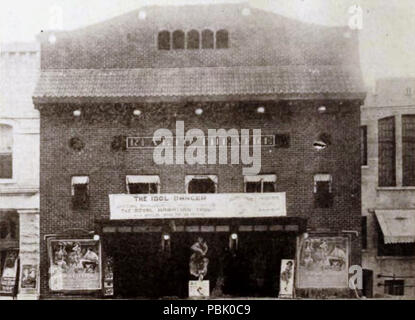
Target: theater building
116, 222
19, 171
388, 189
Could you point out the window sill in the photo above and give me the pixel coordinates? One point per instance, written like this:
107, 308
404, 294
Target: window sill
395, 188
365, 166
7, 181
395, 257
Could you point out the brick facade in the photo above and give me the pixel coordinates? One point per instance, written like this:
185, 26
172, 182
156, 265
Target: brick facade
294, 166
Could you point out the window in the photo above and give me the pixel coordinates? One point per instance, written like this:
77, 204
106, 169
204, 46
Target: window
363, 145
143, 184
6, 151
282, 141
201, 184
387, 176
207, 39
193, 39
364, 233
323, 196
222, 39
395, 287
178, 39
80, 193
408, 91
9, 226
260, 183
408, 150
164, 40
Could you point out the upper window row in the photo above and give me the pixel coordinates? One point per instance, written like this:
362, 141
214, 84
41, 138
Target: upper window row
387, 151
203, 184
193, 40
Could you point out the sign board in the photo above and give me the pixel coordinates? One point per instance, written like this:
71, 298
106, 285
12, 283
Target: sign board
212, 205
287, 279
75, 265
323, 262
149, 142
199, 288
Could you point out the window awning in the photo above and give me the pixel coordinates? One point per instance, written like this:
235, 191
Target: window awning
143, 179
398, 226
80, 180
266, 178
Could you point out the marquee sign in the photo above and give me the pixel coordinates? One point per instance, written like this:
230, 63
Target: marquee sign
171, 206
149, 142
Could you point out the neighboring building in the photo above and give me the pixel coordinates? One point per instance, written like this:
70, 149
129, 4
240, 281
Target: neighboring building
19, 170
103, 92
388, 189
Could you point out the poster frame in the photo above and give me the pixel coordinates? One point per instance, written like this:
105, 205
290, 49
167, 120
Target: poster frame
74, 239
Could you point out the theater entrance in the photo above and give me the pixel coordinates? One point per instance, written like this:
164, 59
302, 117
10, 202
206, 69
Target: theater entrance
241, 260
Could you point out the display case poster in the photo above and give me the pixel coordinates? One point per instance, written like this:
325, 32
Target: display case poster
75, 265
28, 277
8, 277
287, 279
323, 262
199, 288
108, 277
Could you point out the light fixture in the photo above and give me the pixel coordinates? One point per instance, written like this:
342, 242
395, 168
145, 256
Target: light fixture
234, 236
319, 145
137, 112
142, 15
52, 39
77, 113
246, 11
166, 237
96, 237
322, 109
199, 111
260, 110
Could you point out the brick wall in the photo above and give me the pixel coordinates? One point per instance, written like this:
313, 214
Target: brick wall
294, 166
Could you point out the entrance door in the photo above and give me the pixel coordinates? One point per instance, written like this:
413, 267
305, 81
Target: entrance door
368, 283
254, 269
179, 263
137, 271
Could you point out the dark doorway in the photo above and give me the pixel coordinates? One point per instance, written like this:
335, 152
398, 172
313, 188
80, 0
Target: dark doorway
368, 283
144, 267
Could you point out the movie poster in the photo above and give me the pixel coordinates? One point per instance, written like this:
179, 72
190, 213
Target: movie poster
109, 277
28, 277
287, 279
8, 278
75, 265
323, 262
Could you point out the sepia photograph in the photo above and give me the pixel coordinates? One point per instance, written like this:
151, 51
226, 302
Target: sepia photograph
207, 150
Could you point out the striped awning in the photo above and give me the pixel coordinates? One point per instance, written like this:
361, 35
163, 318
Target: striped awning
398, 226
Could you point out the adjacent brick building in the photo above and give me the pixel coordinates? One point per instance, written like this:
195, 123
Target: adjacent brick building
230, 67
388, 122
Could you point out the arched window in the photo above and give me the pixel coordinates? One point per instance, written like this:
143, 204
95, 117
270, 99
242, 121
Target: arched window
178, 39
6, 151
222, 39
164, 40
193, 39
207, 39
